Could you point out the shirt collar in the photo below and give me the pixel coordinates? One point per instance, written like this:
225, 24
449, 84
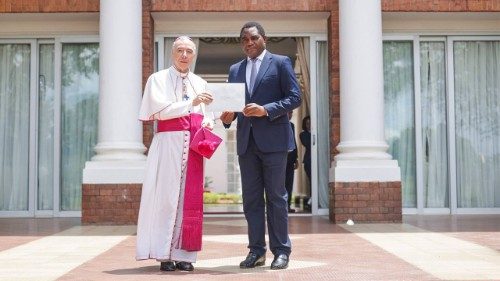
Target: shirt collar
178, 73
260, 57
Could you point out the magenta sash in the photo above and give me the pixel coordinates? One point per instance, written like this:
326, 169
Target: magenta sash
192, 217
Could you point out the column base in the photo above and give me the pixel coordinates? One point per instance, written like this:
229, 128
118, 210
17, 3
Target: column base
114, 172
119, 151
365, 202
110, 204
365, 170
363, 150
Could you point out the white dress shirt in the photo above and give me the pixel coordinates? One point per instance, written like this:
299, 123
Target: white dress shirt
249, 67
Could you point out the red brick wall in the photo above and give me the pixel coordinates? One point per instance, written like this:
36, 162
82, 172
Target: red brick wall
147, 60
48, 6
333, 54
243, 5
54, 6
110, 203
365, 202
441, 5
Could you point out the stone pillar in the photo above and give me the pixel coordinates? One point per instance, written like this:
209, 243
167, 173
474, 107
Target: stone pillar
119, 161
363, 161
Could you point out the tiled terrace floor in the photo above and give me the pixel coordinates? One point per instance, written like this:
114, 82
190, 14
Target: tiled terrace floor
422, 248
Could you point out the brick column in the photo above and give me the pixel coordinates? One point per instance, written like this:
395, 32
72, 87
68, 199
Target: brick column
366, 179
112, 180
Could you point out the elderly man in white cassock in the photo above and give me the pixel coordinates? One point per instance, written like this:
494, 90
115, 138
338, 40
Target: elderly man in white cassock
171, 211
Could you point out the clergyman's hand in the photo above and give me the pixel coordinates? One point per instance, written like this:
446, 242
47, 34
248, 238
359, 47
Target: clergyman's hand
205, 98
227, 117
254, 110
208, 123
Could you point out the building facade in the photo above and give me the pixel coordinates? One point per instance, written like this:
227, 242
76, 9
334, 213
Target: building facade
404, 99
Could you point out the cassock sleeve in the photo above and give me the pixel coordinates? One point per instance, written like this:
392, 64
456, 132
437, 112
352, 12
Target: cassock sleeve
174, 110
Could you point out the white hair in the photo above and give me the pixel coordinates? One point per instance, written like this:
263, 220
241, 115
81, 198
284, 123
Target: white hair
183, 38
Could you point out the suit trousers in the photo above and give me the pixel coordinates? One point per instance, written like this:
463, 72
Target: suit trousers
264, 174
290, 172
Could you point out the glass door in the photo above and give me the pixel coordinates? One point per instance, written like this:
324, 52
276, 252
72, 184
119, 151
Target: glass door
16, 65
475, 109
46, 105
48, 124
68, 88
432, 139
442, 106
320, 139
78, 117
399, 118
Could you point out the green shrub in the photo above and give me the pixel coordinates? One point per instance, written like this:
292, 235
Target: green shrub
221, 198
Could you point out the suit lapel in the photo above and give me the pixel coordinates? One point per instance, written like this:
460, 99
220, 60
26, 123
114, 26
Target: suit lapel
266, 62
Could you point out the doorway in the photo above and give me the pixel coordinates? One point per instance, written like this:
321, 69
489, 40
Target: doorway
217, 40
222, 176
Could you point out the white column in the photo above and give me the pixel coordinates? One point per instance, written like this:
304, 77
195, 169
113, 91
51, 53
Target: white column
362, 147
119, 152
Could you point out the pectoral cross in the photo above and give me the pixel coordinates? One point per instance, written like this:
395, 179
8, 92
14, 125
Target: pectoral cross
185, 96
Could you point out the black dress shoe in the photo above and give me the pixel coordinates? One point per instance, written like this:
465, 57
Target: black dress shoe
280, 262
184, 266
252, 260
167, 266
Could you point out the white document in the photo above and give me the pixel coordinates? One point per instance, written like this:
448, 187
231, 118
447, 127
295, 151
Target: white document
227, 97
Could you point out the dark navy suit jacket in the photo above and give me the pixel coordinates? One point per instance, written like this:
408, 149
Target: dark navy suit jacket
278, 91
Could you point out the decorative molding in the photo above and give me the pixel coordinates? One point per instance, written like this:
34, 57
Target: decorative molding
236, 40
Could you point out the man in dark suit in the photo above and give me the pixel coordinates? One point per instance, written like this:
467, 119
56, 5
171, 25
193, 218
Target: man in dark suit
264, 137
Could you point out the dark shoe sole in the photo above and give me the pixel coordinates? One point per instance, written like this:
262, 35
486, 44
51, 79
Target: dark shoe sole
278, 268
260, 263
167, 268
280, 262
184, 269
162, 269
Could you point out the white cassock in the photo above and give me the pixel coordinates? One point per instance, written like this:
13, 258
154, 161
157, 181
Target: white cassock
167, 95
